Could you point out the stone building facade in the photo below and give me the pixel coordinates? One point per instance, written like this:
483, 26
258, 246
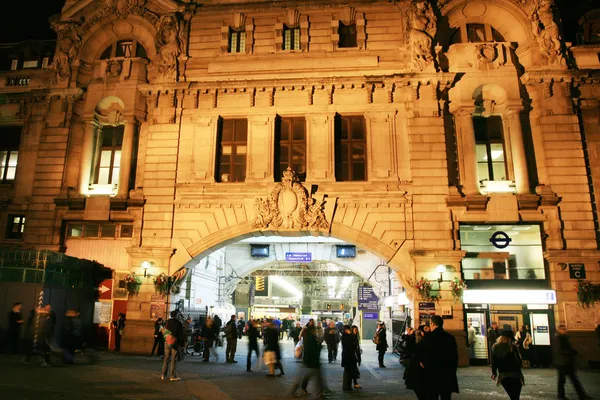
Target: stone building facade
164, 129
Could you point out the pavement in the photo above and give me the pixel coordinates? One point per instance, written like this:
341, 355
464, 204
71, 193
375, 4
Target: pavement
134, 377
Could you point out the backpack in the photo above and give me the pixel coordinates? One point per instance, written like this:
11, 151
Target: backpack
376, 338
170, 339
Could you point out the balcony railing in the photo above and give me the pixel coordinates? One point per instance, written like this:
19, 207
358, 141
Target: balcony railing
12, 81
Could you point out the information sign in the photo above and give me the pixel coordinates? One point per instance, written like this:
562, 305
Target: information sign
367, 299
298, 257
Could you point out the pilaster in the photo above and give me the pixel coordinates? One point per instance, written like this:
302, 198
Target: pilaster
320, 147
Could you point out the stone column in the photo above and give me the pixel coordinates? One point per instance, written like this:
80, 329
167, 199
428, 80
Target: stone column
126, 156
320, 151
465, 137
87, 155
512, 126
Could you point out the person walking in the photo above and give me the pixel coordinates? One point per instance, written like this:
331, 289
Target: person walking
414, 373
159, 341
231, 336
295, 333
381, 343
209, 334
252, 334
15, 322
174, 339
240, 328
272, 345
349, 358
440, 361
493, 333
564, 360
523, 339
332, 339
71, 336
218, 325
40, 328
356, 337
312, 363
119, 327
506, 365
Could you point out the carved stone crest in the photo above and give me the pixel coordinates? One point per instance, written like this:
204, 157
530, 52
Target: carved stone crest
114, 68
290, 207
487, 53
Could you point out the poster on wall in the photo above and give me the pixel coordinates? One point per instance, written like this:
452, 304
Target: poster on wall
102, 312
157, 306
581, 319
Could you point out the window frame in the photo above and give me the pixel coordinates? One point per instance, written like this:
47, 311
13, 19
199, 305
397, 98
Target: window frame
10, 224
290, 142
340, 121
295, 38
11, 148
100, 148
136, 49
99, 231
488, 147
351, 39
239, 35
235, 144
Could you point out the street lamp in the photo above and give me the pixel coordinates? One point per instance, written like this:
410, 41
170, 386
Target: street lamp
145, 266
441, 268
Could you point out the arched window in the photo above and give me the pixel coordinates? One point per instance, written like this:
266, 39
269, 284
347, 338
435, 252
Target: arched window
476, 33
124, 49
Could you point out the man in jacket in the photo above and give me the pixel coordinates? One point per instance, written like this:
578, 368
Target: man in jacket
382, 344
440, 361
232, 337
492, 336
175, 327
209, 334
252, 333
15, 321
564, 360
332, 338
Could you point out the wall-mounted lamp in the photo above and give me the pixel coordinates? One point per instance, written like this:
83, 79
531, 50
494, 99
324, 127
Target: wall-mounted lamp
441, 268
145, 266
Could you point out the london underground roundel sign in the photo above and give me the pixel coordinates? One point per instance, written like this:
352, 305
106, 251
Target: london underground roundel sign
500, 240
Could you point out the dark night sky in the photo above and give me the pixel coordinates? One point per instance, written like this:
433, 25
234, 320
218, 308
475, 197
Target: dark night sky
22, 19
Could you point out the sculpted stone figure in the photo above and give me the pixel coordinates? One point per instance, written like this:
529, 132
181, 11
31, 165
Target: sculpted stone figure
421, 27
68, 44
170, 42
544, 28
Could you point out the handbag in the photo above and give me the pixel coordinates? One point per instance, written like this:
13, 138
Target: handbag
299, 349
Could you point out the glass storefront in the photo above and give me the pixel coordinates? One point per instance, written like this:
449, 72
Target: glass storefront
502, 252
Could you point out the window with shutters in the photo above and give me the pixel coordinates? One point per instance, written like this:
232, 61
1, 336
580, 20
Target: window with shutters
232, 147
350, 148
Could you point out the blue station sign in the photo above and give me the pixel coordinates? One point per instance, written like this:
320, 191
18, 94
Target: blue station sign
298, 257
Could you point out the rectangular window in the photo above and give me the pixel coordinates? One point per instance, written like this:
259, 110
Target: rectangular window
490, 154
232, 146
237, 41
98, 230
75, 230
108, 155
91, 230
476, 33
108, 230
498, 252
15, 227
290, 147
291, 38
126, 231
347, 35
350, 148
9, 152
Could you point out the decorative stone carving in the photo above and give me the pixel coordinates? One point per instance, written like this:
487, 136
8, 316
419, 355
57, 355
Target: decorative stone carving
122, 8
545, 30
68, 44
421, 26
290, 207
171, 37
114, 68
487, 53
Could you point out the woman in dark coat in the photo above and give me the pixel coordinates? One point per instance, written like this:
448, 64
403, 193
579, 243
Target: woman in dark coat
159, 342
208, 334
413, 375
349, 359
506, 365
356, 335
382, 344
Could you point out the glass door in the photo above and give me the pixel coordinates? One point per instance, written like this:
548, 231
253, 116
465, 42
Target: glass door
476, 338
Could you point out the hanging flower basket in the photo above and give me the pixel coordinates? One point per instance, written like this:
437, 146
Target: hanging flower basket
457, 288
588, 293
161, 284
132, 284
423, 288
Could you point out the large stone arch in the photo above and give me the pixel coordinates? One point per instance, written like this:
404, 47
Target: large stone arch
101, 35
505, 16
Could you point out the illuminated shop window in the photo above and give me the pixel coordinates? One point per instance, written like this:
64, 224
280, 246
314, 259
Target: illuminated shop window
497, 252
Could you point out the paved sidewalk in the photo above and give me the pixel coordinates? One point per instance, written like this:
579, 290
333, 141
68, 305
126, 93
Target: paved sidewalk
138, 377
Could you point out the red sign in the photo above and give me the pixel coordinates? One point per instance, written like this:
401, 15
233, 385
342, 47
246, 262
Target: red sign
105, 289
